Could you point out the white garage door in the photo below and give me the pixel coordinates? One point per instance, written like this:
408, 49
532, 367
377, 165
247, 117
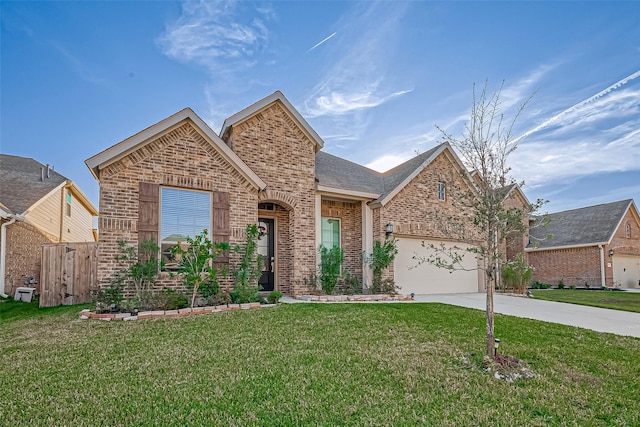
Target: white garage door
626, 271
428, 279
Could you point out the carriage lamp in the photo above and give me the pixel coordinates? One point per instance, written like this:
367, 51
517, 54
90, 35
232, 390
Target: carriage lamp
610, 252
389, 229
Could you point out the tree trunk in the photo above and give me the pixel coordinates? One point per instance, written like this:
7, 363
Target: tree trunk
490, 330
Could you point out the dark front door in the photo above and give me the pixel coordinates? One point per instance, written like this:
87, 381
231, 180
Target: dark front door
265, 248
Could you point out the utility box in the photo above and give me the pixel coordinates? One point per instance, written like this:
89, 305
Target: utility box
24, 294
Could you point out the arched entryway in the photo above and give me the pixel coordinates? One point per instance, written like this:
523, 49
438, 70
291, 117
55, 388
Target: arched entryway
274, 244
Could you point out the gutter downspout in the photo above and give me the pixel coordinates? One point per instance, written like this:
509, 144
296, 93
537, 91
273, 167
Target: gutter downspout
602, 275
3, 251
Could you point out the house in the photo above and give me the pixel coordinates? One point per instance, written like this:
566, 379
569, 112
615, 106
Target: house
593, 246
266, 166
37, 205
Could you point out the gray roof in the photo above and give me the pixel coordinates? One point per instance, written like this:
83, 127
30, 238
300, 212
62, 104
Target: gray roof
579, 227
337, 172
20, 183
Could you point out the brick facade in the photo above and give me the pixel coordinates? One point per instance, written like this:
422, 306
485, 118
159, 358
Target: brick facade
574, 266
416, 211
274, 146
182, 159
350, 216
577, 266
24, 254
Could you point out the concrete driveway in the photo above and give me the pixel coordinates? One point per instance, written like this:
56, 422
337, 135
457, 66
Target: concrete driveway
598, 319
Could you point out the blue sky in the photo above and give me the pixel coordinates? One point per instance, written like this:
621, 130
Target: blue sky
372, 78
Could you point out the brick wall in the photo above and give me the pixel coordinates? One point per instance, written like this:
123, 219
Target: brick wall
416, 211
574, 267
24, 254
350, 215
621, 244
181, 158
274, 146
517, 242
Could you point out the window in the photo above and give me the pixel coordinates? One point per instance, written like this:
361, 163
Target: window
441, 191
627, 230
330, 232
68, 205
182, 213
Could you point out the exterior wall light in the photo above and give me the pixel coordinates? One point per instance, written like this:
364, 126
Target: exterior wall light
610, 252
389, 229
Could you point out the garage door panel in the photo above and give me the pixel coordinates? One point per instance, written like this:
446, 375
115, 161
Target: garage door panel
626, 271
427, 278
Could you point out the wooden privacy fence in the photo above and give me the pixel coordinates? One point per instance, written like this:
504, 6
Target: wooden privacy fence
69, 271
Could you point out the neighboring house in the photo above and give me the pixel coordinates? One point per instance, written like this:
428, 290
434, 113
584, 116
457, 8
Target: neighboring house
594, 246
266, 166
37, 205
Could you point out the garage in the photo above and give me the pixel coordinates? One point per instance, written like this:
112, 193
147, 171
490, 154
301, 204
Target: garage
427, 278
626, 271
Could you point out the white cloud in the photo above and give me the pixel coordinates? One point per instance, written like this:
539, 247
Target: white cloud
602, 135
212, 33
336, 103
355, 80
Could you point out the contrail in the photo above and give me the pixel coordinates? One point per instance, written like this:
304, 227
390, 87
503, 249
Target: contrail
321, 42
578, 105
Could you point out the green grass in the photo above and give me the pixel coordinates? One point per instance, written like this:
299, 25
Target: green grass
617, 300
310, 364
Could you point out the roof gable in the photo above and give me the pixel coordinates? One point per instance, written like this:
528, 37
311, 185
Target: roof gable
591, 225
255, 108
137, 141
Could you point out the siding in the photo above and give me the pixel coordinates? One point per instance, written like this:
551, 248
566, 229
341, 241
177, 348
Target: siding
78, 227
46, 216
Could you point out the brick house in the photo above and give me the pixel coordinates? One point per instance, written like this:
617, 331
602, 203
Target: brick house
37, 205
266, 166
595, 246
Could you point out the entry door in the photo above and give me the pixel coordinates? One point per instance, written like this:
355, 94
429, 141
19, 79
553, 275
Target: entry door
265, 248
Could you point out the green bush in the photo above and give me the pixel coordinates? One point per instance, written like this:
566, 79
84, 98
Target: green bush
105, 298
349, 284
274, 297
248, 271
560, 284
379, 260
170, 299
330, 264
538, 285
516, 274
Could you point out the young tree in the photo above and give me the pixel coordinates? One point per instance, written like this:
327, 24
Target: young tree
484, 147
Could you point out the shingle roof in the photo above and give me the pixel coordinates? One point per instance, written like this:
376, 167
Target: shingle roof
584, 226
20, 184
337, 172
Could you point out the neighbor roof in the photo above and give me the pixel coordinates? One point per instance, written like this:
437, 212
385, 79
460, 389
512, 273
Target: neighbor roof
591, 225
21, 185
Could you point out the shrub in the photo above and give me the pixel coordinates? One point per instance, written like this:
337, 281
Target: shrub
139, 270
170, 299
196, 263
330, 264
516, 274
538, 285
560, 284
379, 260
108, 298
349, 284
248, 271
274, 297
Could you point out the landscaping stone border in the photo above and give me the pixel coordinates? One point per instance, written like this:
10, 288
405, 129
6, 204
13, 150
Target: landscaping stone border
183, 312
353, 298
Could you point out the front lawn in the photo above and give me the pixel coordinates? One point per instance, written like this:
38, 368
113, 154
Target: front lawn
617, 300
310, 364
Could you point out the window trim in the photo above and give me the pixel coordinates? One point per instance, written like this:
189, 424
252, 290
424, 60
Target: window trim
627, 230
339, 220
68, 199
441, 190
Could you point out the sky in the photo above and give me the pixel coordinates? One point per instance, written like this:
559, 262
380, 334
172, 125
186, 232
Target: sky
374, 79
